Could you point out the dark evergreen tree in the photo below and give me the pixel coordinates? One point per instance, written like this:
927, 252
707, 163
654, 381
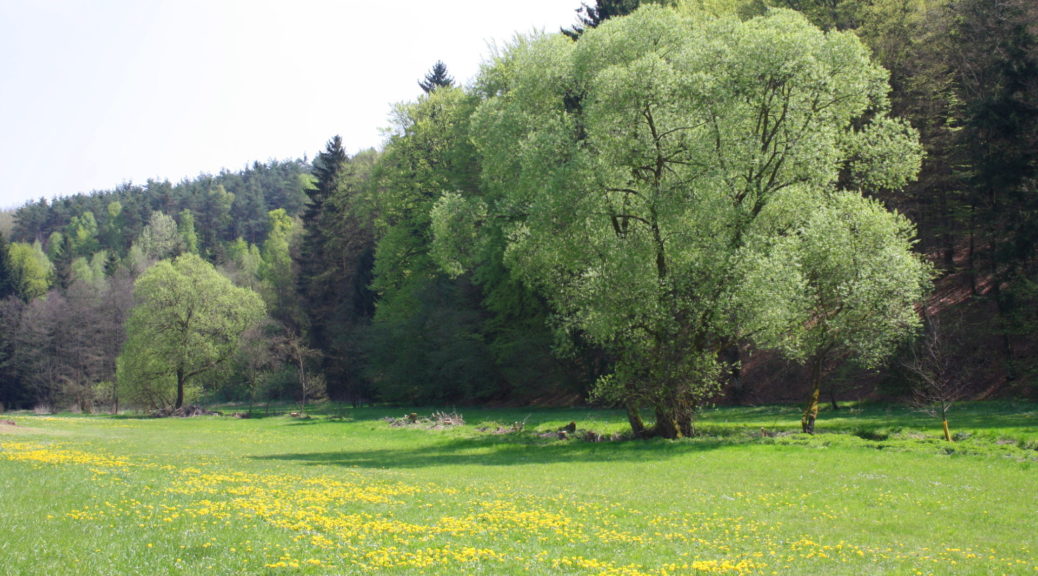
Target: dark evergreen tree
6, 283
592, 16
436, 78
249, 212
335, 265
998, 83
12, 390
111, 263
327, 171
30, 222
64, 253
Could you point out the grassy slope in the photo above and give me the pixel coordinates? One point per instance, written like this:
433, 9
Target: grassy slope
95, 495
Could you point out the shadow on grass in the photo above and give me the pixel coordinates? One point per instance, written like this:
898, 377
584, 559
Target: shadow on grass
978, 416
593, 418
502, 450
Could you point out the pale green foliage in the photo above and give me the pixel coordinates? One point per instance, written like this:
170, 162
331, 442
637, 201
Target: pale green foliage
243, 263
136, 260
884, 156
456, 241
91, 272
636, 165
82, 231
6, 222
161, 237
30, 270
275, 271
186, 228
843, 284
426, 157
54, 243
187, 321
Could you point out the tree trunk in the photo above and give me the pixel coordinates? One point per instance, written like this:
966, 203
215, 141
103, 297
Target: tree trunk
807, 423
667, 425
180, 389
947, 433
302, 377
971, 262
1005, 344
673, 421
686, 424
637, 425
947, 225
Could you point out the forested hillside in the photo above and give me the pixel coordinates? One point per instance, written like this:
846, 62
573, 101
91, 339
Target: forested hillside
706, 200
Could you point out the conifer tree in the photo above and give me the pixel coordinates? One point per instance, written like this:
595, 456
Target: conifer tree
328, 168
6, 285
436, 78
592, 16
62, 256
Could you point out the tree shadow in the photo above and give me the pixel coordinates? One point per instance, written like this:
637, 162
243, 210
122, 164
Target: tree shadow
1008, 416
505, 450
474, 417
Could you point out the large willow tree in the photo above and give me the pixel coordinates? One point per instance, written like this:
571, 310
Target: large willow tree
645, 174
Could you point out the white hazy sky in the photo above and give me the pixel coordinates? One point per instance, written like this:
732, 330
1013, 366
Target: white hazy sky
94, 93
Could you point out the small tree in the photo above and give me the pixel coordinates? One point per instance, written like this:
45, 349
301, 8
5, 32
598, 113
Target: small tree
187, 321
937, 384
293, 349
257, 359
843, 287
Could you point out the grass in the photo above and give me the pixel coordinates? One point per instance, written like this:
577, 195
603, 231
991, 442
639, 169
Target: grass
343, 492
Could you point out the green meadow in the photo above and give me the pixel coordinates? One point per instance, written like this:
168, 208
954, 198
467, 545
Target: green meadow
876, 491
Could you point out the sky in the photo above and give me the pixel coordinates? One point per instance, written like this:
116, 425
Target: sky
97, 93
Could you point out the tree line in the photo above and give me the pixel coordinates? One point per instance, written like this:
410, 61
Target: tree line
629, 210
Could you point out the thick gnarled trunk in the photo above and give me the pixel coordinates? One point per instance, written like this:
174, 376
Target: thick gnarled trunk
667, 424
635, 419
670, 423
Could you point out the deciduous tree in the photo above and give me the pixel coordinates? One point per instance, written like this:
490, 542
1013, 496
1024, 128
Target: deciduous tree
186, 322
30, 270
633, 211
937, 382
841, 284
